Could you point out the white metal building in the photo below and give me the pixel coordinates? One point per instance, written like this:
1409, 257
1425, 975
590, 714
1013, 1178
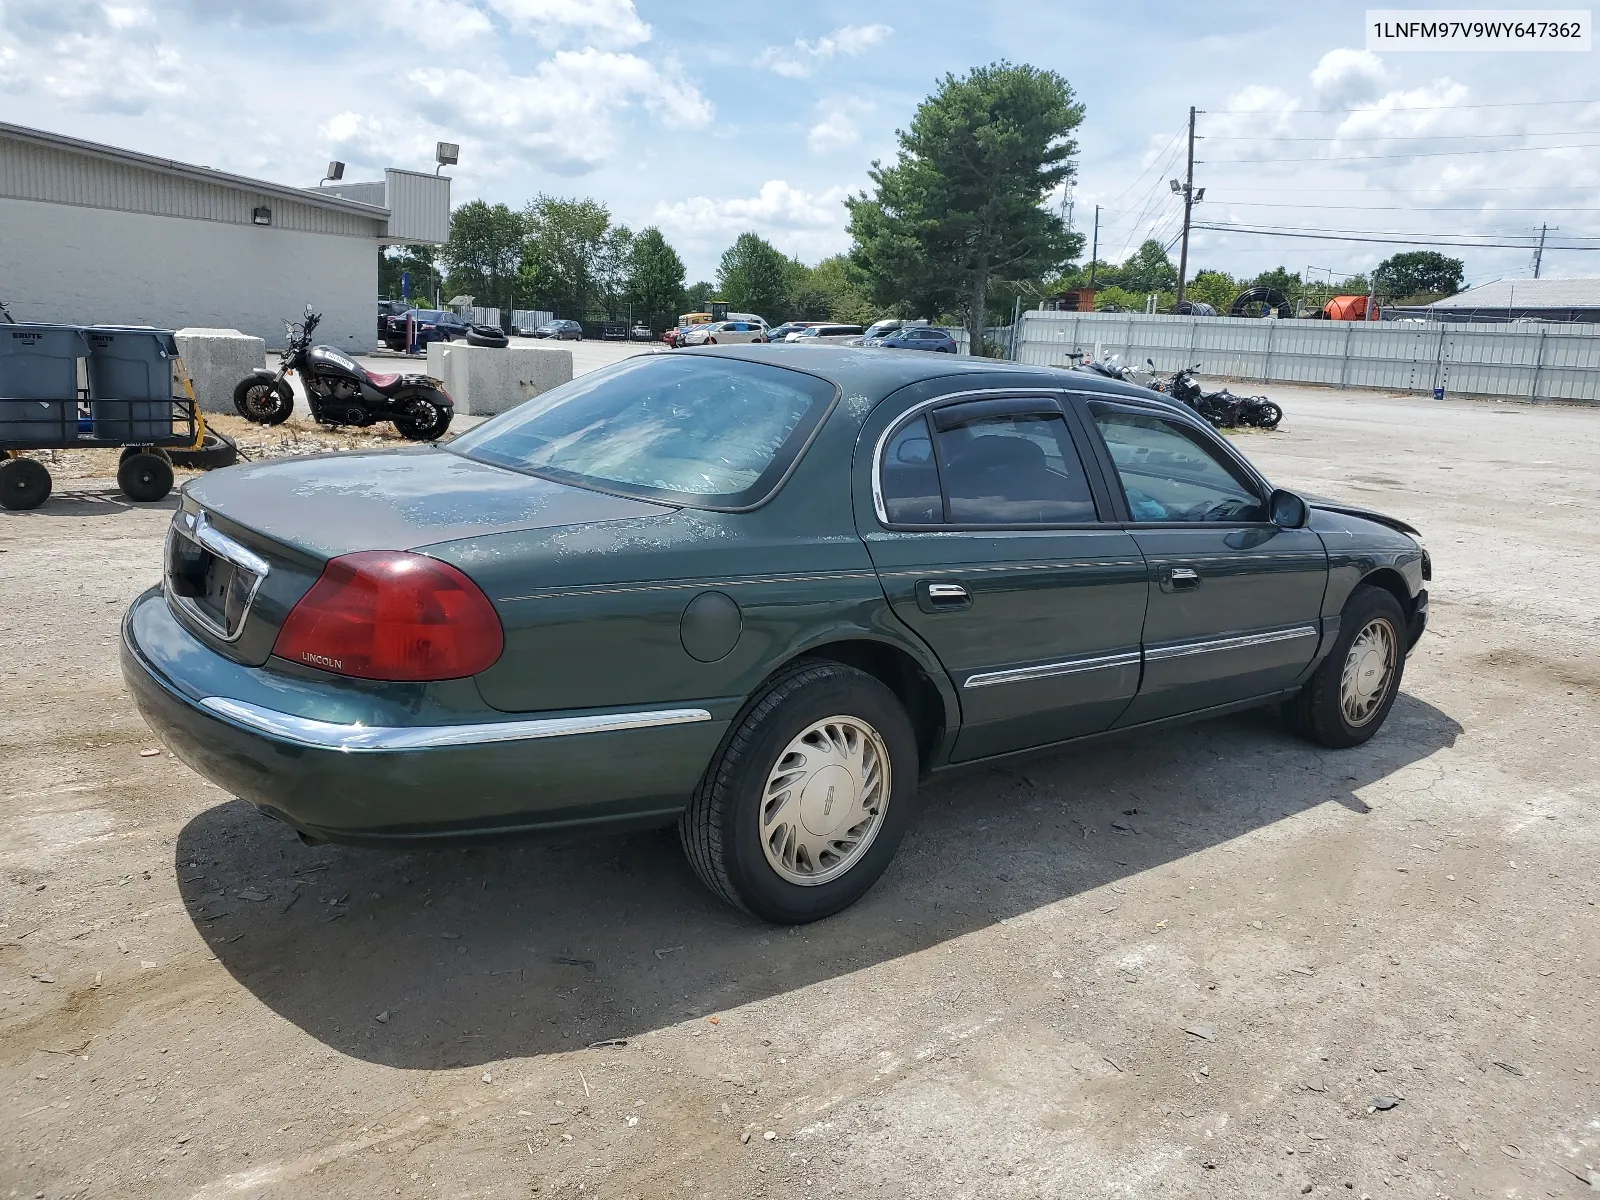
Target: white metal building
1565, 300
94, 235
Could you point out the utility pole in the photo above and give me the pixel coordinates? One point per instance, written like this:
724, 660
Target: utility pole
1538, 255
1188, 208
1094, 254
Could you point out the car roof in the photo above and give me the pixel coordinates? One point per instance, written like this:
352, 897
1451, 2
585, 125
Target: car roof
857, 370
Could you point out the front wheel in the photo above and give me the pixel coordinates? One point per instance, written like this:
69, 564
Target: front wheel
424, 420
808, 797
1349, 696
264, 399
1266, 415
24, 483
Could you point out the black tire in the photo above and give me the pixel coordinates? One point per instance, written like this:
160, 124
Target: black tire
495, 340
145, 477
217, 450
1317, 713
425, 420
24, 483
720, 829
1266, 415
263, 400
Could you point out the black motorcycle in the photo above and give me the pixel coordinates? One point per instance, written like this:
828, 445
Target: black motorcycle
342, 391
1221, 408
1110, 368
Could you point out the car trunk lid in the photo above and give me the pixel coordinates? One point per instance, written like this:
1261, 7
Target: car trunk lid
247, 543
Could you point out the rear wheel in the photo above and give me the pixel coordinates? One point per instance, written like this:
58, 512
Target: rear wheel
423, 420
145, 477
24, 483
1349, 696
807, 799
264, 399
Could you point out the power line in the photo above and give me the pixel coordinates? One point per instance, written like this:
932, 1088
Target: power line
1156, 161
1334, 158
1418, 240
1532, 187
1396, 137
1294, 112
1399, 207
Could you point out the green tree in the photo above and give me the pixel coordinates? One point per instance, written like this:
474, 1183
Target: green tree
831, 291
754, 277
1418, 273
655, 279
1150, 270
1216, 288
484, 252
562, 257
612, 265
420, 262
962, 207
1280, 278
698, 296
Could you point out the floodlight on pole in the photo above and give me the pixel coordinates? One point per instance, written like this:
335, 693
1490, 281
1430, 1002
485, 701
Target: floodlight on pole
335, 172
446, 154
1177, 187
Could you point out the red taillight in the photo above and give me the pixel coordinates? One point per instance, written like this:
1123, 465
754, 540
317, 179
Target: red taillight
385, 614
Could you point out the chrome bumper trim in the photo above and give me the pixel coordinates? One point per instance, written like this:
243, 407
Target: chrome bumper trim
1049, 670
331, 735
1183, 650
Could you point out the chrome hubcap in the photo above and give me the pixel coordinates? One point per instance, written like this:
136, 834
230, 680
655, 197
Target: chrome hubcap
1368, 668
824, 800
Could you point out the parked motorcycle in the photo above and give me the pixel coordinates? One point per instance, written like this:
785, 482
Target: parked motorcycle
342, 391
1222, 408
1110, 368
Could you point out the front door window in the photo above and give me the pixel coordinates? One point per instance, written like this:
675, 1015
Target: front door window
1168, 475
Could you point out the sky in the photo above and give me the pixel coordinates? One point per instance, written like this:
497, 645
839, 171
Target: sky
707, 119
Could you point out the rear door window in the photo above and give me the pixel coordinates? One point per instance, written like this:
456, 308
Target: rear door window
972, 465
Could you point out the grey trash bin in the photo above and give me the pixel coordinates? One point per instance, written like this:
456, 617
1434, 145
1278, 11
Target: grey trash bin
39, 384
131, 383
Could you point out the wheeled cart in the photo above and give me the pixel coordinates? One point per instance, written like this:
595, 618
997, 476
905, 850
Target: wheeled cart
71, 387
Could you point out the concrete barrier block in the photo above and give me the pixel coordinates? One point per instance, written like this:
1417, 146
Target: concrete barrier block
486, 380
216, 360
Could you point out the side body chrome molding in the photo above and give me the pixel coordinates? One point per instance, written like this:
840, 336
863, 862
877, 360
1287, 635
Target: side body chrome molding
1071, 666
1106, 662
1211, 646
332, 735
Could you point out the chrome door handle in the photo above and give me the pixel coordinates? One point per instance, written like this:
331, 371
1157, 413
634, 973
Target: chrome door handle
1183, 579
942, 597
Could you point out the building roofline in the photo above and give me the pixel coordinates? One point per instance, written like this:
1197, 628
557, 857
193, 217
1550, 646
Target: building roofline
168, 166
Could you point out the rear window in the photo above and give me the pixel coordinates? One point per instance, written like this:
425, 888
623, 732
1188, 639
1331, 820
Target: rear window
701, 432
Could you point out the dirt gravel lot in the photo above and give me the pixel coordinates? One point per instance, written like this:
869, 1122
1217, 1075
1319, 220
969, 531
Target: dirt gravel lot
1183, 964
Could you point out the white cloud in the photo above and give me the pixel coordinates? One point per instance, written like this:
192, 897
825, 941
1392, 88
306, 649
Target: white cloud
564, 113
607, 24
1344, 78
839, 124
89, 57
809, 225
442, 23
797, 61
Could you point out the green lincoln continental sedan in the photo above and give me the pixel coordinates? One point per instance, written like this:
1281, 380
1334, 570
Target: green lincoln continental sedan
760, 591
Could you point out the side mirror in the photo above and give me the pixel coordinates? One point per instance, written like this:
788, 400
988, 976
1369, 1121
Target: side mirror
1286, 510
1151, 363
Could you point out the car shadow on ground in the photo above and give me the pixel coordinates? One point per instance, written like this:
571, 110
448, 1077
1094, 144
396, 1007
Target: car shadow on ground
446, 958
70, 500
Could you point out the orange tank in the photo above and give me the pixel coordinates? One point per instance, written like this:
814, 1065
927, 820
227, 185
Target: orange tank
1351, 308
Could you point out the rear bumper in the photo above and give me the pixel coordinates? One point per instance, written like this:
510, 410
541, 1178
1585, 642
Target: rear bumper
386, 780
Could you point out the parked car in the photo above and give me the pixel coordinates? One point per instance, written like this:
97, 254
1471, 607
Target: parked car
387, 309
786, 331
614, 331
923, 338
723, 333
698, 588
433, 325
823, 335
561, 330
639, 333
880, 329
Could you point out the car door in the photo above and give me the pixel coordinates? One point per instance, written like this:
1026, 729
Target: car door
1235, 601
989, 537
